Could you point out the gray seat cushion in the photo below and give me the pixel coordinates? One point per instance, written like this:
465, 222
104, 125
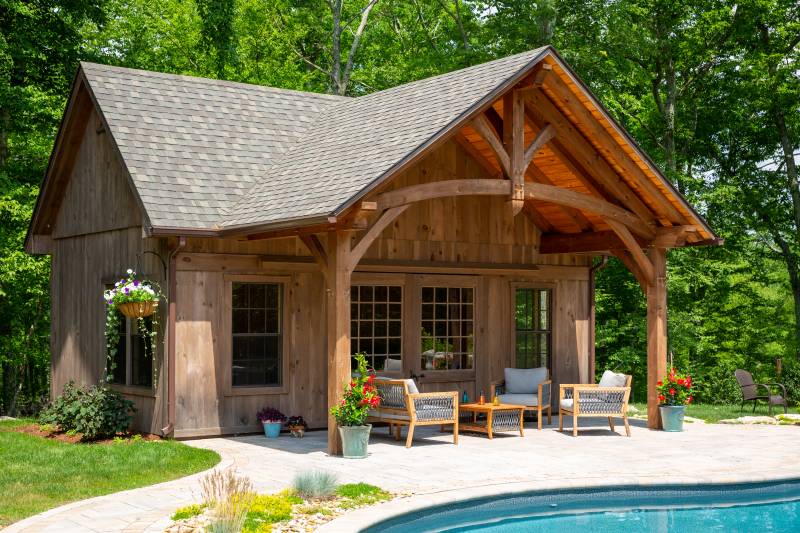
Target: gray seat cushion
529, 400
612, 379
567, 403
524, 380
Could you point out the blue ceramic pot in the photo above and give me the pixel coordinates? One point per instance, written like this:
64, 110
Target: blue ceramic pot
272, 429
672, 417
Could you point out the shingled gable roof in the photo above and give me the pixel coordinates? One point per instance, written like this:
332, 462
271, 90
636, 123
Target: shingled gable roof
194, 146
224, 157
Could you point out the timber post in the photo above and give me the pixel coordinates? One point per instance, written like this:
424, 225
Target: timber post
337, 303
656, 333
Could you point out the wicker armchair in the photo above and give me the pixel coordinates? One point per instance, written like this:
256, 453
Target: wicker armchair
529, 387
595, 400
403, 405
751, 392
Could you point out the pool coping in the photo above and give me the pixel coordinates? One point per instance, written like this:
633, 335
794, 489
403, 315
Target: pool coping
365, 517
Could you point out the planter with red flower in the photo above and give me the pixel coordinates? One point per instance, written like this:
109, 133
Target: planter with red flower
674, 394
360, 395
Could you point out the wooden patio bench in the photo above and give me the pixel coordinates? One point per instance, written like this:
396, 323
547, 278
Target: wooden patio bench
606, 399
403, 405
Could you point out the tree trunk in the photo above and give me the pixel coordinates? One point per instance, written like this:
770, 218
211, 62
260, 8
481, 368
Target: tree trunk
5, 121
336, 48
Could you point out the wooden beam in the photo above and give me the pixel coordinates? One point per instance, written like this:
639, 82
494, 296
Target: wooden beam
577, 218
627, 260
558, 90
317, 250
645, 266
337, 306
485, 129
518, 166
581, 157
674, 237
542, 74
363, 244
477, 156
442, 189
536, 217
584, 202
592, 241
542, 138
656, 334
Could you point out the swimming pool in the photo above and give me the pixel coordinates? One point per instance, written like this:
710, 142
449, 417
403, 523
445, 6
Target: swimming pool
730, 507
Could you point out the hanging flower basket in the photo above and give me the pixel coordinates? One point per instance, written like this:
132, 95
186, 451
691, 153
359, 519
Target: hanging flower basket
138, 309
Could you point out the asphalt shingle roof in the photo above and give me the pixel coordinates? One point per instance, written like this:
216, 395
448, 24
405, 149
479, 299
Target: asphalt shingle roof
194, 146
210, 154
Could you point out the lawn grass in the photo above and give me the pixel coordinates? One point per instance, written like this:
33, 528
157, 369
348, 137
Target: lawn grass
38, 474
715, 413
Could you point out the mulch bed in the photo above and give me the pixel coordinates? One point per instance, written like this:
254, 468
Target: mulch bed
36, 430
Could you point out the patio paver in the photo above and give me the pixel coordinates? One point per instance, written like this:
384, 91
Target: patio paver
439, 471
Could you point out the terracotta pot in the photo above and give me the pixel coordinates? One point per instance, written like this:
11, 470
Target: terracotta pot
138, 309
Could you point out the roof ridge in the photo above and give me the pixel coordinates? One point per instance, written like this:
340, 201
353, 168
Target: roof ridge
213, 81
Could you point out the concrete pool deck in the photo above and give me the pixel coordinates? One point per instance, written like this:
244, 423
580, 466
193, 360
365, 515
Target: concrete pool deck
435, 471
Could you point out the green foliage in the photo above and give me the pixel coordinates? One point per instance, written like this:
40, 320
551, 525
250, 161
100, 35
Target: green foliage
39, 474
94, 412
317, 484
359, 396
189, 511
270, 509
360, 494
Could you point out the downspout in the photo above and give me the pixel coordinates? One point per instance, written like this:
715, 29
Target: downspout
171, 334
592, 271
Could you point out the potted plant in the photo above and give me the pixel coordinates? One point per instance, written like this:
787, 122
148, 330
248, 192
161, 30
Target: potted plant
297, 426
138, 300
133, 298
674, 394
351, 414
272, 420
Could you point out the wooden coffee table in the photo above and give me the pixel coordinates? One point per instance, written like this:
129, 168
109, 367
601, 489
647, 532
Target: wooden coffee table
503, 417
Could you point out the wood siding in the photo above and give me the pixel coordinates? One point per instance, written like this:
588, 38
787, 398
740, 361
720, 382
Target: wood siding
470, 230
97, 236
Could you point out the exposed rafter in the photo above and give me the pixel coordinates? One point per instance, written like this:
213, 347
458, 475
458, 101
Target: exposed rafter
485, 129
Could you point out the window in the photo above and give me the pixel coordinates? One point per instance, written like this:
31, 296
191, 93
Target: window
448, 342
376, 325
133, 365
257, 334
533, 327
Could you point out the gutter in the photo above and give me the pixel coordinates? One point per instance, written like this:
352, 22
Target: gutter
171, 333
592, 272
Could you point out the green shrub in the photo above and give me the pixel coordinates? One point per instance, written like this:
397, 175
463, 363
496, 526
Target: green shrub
716, 385
315, 484
790, 377
189, 511
95, 412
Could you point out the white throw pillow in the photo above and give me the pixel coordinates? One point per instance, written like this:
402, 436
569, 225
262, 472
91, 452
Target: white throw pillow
612, 379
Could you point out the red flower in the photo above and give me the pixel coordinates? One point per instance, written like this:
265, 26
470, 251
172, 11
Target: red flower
672, 392
689, 399
672, 378
660, 383
371, 379
688, 384
661, 398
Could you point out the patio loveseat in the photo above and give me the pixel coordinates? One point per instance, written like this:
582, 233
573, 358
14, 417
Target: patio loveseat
403, 405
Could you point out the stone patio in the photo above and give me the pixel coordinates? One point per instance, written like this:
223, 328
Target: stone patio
435, 470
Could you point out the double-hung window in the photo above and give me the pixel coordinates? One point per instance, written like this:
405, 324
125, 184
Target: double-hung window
533, 327
257, 328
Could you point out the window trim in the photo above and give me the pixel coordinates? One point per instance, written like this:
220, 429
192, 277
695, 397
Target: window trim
398, 280
227, 333
449, 281
513, 317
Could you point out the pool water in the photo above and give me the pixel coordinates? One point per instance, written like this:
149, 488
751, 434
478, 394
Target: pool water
668, 509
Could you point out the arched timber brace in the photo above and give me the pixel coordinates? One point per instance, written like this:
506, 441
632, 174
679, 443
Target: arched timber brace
338, 262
